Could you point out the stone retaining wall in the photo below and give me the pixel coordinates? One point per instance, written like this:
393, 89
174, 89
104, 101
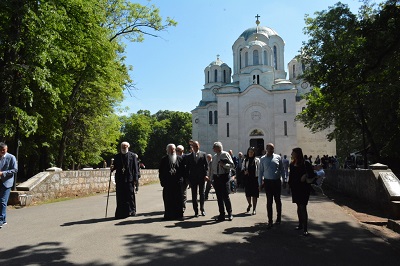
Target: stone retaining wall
60, 184
366, 185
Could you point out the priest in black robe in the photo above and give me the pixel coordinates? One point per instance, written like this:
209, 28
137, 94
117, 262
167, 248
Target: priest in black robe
171, 174
126, 176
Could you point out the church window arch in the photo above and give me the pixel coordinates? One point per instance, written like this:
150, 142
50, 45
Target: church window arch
256, 79
285, 128
246, 59
255, 58
256, 132
303, 67
227, 108
227, 130
208, 76
294, 71
240, 58
284, 106
275, 58
265, 58
215, 117
210, 117
215, 75
224, 76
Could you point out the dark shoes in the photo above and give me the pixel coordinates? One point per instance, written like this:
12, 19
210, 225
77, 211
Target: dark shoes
203, 213
269, 225
230, 217
220, 218
299, 227
254, 212
278, 222
305, 233
248, 208
196, 214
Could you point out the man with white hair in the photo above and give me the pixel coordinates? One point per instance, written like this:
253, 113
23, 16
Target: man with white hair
126, 176
180, 151
220, 167
171, 174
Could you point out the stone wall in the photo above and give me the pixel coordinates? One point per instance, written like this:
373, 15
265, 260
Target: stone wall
366, 185
50, 185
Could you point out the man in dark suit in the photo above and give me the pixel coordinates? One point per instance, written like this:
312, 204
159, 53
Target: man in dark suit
126, 176
197, 167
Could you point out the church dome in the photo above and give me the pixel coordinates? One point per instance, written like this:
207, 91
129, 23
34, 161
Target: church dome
261, 30
217, 62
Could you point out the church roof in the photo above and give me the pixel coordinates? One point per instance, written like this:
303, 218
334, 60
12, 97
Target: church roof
217, 62
261, 30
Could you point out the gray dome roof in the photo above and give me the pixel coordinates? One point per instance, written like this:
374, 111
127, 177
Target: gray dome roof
259, 43
261, 30
217, 62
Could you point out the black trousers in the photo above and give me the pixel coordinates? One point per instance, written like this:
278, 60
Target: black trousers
222, 193
197, 186
273, 192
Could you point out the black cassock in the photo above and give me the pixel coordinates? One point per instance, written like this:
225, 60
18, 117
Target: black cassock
171, 177
125, 177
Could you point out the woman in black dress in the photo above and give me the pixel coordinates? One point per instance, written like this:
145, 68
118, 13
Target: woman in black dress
250, 179
299, 169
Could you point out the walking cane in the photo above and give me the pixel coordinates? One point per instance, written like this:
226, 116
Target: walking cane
109, 183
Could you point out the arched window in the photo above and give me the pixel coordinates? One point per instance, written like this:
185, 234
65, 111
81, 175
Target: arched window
284, 106
215, 75
240, 58
246, 59
227, 130
210, 117
303, 67
227, 108
303, 108
208, 76
255, 58
265, 58
285, 128
294, 71
275, 58
224, 76
215, 117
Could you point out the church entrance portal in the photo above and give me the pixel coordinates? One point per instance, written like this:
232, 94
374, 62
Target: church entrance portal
258, 144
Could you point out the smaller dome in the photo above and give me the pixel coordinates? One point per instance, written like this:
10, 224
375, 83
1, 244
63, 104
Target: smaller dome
217, 62
260, 30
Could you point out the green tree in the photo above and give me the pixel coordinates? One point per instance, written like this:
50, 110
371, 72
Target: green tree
169, 127
353, 62
62, 72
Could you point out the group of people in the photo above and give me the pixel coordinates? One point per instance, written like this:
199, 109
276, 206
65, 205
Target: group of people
199, 170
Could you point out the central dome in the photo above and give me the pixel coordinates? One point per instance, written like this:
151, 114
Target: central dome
261, 30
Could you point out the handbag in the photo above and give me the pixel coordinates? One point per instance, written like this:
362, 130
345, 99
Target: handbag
231, 185
306, 178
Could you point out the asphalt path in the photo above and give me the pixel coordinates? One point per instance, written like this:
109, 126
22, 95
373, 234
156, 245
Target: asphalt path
76, 232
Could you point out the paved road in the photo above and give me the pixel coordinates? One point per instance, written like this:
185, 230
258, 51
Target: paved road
75, 232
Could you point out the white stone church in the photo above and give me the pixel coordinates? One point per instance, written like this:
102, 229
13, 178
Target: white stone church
258, 104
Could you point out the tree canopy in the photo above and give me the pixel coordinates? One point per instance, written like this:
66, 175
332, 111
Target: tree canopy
353, 62
62, 72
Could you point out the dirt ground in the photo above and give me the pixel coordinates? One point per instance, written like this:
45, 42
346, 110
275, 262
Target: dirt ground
371, 217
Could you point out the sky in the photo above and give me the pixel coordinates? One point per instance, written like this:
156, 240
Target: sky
168, 72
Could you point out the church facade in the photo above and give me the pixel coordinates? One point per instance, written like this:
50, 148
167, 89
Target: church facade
256, 104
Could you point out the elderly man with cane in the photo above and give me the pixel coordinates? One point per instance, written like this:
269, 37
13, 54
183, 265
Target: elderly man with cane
126, 167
